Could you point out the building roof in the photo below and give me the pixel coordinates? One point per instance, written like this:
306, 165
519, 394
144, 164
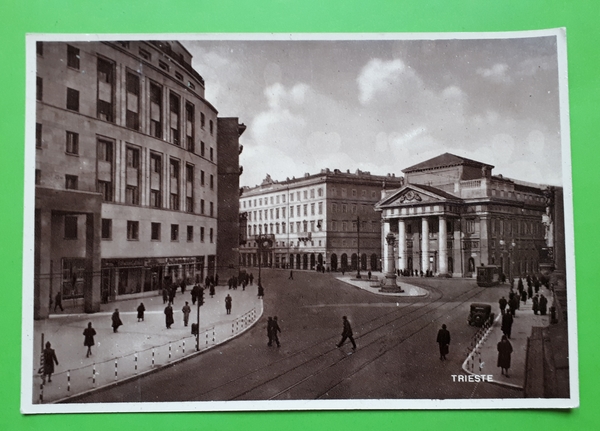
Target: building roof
443, 161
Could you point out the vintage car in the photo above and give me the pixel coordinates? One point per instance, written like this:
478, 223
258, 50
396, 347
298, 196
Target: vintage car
480, 313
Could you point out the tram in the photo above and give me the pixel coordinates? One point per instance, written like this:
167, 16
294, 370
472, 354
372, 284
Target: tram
488, 276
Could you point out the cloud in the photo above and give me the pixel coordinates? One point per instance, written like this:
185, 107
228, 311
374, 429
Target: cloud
498, 73
380, 79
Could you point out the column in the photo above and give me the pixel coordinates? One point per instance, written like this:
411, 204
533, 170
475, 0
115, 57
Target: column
424, 244
387, 264
442, 248
401, 245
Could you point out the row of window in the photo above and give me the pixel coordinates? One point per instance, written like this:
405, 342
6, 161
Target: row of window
105, 109
133, 231
290, 244
275, 200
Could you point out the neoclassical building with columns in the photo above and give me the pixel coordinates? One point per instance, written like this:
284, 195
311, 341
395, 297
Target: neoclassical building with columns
452, 215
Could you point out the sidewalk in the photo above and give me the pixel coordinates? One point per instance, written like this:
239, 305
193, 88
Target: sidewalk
483, 359
137, 347
373, 285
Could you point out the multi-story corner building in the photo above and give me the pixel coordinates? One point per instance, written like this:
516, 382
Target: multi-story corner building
229, 171
126, 171
321, 221
453, 215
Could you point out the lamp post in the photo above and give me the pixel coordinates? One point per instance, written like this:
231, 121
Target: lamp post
263, 241
358, 247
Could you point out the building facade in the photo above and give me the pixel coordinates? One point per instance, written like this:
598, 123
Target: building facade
453, 215
126, 171
320, 221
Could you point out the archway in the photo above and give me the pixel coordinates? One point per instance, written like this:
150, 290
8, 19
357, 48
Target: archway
363, 262
344, 262
298, 261
334, 262
305, 261
374, 262
320, 258
312, 261
354, 261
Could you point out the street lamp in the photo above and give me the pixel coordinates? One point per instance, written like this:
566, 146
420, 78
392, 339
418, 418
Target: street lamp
358, 247
263, 241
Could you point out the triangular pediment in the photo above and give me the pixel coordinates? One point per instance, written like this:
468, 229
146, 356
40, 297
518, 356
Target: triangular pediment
413, 194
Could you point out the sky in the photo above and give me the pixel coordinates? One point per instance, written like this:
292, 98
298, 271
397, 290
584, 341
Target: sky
384, 105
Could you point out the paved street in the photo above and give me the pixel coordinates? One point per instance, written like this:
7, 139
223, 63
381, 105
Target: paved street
397, 356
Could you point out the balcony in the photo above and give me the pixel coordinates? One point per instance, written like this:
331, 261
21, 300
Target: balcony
304, 236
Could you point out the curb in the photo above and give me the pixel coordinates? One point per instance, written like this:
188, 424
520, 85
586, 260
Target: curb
159, 368
389, 295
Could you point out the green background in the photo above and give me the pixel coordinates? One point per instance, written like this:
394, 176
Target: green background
582, 20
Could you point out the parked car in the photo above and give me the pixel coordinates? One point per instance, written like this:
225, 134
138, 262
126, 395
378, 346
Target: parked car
480, 313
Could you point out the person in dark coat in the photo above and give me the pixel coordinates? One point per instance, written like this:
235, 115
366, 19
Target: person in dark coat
524, 297
251, 279
502, 302
212, 290
529, 292
228, 302
347, 333
217, 280
116, 320
140, 311
443, 339
536, 304
261, 291
274, 330
369, 274
520, 285
58, 301
88, 341
513, 304
195, 293
49, 361
504, 351
270, 330
291, 277
183, 286
169, 316
186, 313
172, 293
543, 304
165, 295
507, 322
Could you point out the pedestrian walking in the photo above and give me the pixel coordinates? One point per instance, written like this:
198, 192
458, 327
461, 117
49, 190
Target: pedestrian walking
116, 320
529, 292
88, 340
261, 291
504, 352
186, 313
503, 302
49, 361
183, 286
443, 340
165, 295
291, 277
217, 279
347, 333
251, 278
507, 322
524, 296
536, 304
543, 304
369, 274
195, 293
212, 290
169, 315
270, 331
274, 330
228, 302
140, 311
58, 301
172, 293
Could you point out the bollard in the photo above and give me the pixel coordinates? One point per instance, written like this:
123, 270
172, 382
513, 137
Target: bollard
116, 370
183, 347
135, 360
42, 392
68, 380
232, 328
152, 357
169, 352
94, 375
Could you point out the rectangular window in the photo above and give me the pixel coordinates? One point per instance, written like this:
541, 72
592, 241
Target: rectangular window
178, 76
211, 154
305, 208
72, 143
189, 126
39, 88
155, 231
312, 209
202, 120
145, 54
106, 228
132, 195
201, 234
202, 147
72, 57
174, 174
470, 226
202, 178
174, 232
132, 117
291, 212
320, 207
72, 99
106, 90
201, 206
212, 182
105, 151
174, 120
155, 110
189, 204
190, 233
164, 66
133, 158
70, 227
155, 199
312, 193
320, 192
212, 207
105, 189
210, 123
71, 182
305, 194
211, 235
133, 230
38, 135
